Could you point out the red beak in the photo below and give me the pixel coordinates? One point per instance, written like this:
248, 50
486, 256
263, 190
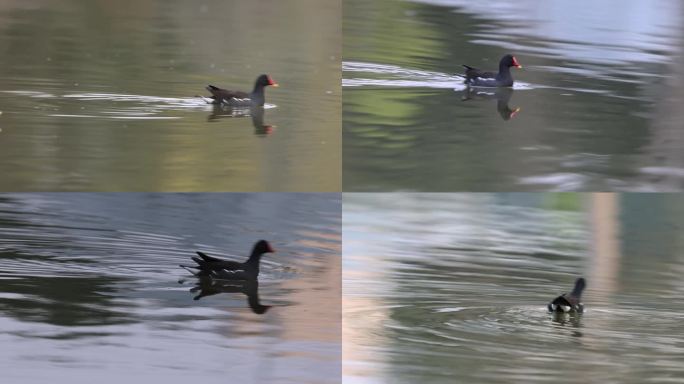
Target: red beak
515, 63
273, 83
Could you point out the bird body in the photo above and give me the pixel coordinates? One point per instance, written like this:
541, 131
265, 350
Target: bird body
569, 302
228, 269
479, 78
242, 99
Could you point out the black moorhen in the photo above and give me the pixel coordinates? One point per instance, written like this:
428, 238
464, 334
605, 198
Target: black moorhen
569, 302
242, 99
478, 78
228, 269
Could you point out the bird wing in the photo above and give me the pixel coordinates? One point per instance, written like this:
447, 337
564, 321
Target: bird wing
472, 72
214, 263
226, 94
207, 257
561, 300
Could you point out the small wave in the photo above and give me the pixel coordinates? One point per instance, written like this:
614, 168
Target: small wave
395, 76
562, 181
664, 171
384, 75
131, 107
118, 117
34, 94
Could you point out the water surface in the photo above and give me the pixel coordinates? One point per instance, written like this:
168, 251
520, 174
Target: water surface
445, 288
595, 106
90, 287
101, 96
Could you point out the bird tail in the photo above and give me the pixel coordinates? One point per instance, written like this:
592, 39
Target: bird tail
189, 269
466, 76
199, 261
205, 257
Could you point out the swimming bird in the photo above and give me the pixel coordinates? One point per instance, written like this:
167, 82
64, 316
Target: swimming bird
569, 302
242, 99
228, 269
478, 78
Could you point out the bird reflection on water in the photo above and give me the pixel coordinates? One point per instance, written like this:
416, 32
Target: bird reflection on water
501, 95
572, 319
208, 286
221, 111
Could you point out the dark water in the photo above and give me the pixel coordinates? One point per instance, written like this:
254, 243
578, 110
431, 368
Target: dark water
90, 288
100, 95
453, 287
595, 106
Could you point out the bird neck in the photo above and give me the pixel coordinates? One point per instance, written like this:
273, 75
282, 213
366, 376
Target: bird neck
504, 72
257, 95
577, 291
258, 87
253, 261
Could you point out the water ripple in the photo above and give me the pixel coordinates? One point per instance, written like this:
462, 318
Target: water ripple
440, 284
396, 76
117, 106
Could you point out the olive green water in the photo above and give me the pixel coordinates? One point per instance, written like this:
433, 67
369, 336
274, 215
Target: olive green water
100, 95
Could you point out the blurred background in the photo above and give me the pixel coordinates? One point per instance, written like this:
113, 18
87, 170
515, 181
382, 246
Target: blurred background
90, 287
100, 95
594, 108
453, 288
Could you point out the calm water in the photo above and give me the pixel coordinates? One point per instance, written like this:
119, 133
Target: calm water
100, 95
90, 287
453, 287
595, 107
